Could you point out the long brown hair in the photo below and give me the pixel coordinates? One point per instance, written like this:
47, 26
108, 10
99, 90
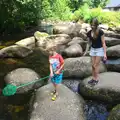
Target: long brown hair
96, 23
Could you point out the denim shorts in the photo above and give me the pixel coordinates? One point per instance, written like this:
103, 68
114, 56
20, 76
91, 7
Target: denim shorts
97, 52
57, 79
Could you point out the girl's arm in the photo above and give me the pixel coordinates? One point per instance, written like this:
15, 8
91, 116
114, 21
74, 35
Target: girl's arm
87, 46
104, 46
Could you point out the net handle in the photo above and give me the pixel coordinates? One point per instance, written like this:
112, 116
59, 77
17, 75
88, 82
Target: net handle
32, 82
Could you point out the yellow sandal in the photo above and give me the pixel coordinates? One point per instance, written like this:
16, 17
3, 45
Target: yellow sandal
54, 97
53, 92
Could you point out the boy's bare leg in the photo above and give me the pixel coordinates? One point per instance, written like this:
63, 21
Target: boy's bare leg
56, 88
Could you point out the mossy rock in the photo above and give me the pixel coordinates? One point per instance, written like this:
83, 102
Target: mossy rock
1, 47
40, 34
8, 43
115, 113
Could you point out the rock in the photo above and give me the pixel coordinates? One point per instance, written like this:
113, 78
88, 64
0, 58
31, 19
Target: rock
22, 76
37, 61
60, 49
78, 40
27, 43
108, 88
74, 50
83, 34
111, 41
71, 29
47, 42
113, 51
80, 67
59, 39
75, 40
113, 65
115, 113
85, 26
117, 29
68, 106
40, 38
111, 34
104, 26
15, 51
39, 34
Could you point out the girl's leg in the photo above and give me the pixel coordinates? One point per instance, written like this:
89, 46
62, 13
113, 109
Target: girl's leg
96, 67
93, 68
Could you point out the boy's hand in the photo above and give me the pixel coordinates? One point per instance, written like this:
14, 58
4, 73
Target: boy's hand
58, 72
51, 75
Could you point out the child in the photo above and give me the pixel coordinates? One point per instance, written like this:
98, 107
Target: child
56, 66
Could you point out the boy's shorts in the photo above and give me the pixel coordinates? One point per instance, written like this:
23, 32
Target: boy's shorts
57, 79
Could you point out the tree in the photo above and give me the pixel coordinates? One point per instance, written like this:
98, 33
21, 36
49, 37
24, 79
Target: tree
45, 9
97, 3
76, 4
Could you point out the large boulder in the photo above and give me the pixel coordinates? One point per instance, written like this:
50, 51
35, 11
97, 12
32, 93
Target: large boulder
113, 51
68, 105
107, 89
78, 40
85, 26
111, 34
71, 29
38, 34
117, 29
84, 29
111, 41
46, 42
113, 65
104, 26
80, 67
83, 34
115, 113
15, 51
27, 42
22, 76
74, 50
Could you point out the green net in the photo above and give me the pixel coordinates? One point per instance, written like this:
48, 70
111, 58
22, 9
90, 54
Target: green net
12, 89
9, 90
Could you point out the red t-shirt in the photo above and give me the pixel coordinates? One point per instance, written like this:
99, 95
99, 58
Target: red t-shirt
56, 61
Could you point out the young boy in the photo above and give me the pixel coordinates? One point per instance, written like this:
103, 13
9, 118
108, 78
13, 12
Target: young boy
56, 66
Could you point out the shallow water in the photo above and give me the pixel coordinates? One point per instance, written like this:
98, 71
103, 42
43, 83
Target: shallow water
93, 110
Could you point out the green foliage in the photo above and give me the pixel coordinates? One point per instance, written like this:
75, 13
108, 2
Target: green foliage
19, 15
45, 8
82, 13
60, 9
98, 3
86, 14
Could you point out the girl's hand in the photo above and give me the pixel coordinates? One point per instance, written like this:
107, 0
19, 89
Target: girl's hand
105, 57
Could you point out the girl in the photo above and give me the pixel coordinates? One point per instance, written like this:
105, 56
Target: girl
98, 48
